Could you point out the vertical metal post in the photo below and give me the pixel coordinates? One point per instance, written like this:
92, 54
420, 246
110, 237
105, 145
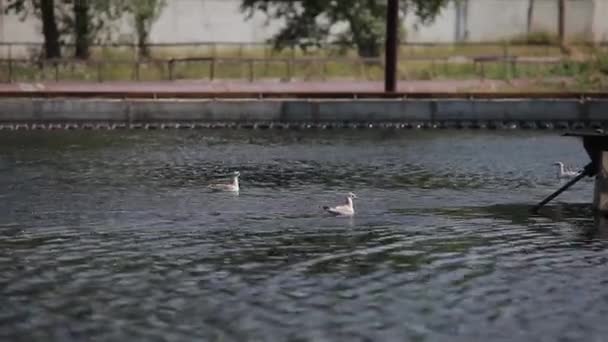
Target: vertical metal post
213, 50
362, 70
292, 58
137, 70
99, 76
267, 56
505, 56
289, 66
170, 67
251, 71
43, 70
212, 69
392, 42
10, 70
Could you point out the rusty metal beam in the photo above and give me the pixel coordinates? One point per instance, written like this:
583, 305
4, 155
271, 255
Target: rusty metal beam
297, 95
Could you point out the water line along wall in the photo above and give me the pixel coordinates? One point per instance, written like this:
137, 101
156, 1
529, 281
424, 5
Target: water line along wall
26, 113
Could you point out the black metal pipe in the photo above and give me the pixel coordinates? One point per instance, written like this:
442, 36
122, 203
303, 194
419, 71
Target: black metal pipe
587, 171
392, 43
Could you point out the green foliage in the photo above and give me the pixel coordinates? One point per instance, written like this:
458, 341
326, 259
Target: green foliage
85, 22
76, 20
535, 38
100, 15
310, 23
143, 14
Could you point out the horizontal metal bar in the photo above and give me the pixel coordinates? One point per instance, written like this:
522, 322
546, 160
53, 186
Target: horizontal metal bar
298, 95
295, 43
299, 60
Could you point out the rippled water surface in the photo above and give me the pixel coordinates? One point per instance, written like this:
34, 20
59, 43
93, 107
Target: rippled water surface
115, 237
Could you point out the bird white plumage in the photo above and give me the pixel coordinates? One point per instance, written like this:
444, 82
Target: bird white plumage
233, 186
346, 209
563, 172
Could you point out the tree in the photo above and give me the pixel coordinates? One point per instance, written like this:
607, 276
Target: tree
81, 28
49, 29
79, 21
144, 14
45, 10
83, 21
530, 16
310, 23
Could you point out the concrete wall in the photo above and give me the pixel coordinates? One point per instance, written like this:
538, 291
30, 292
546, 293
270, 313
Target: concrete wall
600, 23
299, 111
209, 20
492, 20
461, 20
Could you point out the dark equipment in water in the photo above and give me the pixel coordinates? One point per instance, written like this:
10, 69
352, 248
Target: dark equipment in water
596, 145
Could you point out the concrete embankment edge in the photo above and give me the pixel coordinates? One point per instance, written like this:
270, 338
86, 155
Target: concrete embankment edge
298, 111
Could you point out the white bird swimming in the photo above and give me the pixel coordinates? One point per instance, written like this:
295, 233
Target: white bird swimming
563, 172
232, 186
346, 209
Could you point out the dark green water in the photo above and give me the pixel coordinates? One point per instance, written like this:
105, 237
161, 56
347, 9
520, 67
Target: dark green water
114, 237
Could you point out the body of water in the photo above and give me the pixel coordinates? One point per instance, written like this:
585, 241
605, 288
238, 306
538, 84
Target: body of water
115, 237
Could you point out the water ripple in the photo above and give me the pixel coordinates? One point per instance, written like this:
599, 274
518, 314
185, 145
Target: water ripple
114, 236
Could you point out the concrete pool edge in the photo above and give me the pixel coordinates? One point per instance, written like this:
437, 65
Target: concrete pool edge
48, 113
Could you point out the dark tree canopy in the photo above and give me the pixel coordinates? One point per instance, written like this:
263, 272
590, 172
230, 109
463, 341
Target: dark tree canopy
81, 22
309, 22
45, 10
76, 21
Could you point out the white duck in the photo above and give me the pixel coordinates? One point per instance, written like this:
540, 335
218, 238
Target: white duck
232, 186
562, 172
346, 209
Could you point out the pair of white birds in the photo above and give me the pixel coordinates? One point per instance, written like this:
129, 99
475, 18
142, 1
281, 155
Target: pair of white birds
346, 209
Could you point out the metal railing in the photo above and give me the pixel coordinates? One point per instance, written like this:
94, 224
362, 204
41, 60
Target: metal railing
252, 69
242, 49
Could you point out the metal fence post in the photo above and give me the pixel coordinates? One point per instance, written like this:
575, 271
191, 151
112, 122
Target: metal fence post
43, 70
137, 70
267, 56
324, 69
135, 51
10, 70
362, 70
213, 50
212, 69
251, 71
241, 50
288, 69
505, 54
170, 67
99, 77
292, 58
